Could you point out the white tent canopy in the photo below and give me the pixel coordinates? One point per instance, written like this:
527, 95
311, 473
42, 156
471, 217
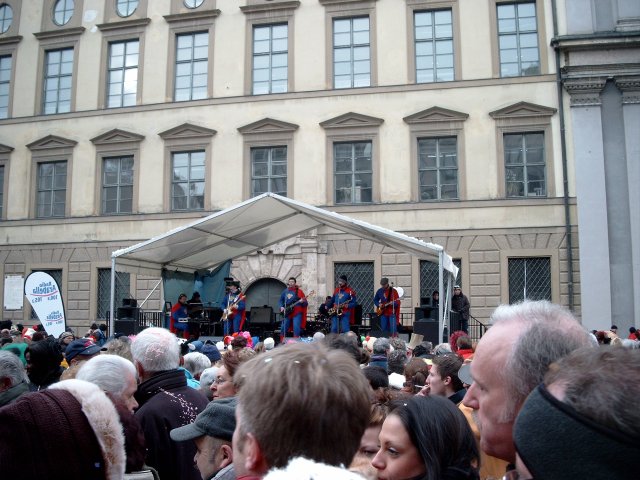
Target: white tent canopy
251, 225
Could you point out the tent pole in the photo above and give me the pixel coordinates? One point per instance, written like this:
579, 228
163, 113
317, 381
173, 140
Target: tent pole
150, 293
442, 297
112, 298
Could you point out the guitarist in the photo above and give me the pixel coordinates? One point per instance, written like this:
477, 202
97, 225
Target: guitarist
342, 304
293, 305
387, 304
234, 303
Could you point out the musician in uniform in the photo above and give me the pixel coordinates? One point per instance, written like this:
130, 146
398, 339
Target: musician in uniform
178, 311
293, 306
387, 302
235, 309
342, 306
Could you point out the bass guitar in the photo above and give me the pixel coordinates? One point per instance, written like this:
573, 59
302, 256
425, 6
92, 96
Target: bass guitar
291, 306
232, 307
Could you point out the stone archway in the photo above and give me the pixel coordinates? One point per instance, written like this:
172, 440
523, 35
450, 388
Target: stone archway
264, 291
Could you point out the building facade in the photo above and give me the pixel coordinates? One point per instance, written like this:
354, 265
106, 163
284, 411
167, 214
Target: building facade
123, 119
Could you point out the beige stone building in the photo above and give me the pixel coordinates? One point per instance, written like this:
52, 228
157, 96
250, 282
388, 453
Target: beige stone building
123, 119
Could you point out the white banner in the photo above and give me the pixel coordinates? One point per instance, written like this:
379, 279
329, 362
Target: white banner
45, 297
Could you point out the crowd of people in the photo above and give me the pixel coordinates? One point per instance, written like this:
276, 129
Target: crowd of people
536, 397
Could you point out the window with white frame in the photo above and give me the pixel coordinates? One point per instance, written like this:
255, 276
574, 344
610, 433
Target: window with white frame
122, 75
193, 3
525, 168
6, 17
434, 46
187, 180
192, 61
529, 279
58, 73
438, 168
62, 12
52, 189
269, 170
117, 185
353, 172
125, 8
351, 52
270, 64
5, 84
518, 39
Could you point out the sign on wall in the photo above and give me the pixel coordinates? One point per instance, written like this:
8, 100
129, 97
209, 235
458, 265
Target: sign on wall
13, 288
45, 297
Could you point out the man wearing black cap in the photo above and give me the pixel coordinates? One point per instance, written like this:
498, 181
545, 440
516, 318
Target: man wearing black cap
212, 432
460, 304
342, 306
387, 302
78, 352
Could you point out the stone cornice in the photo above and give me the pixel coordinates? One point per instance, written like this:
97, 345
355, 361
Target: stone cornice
269, 7
630, 87
585, 92
61, 33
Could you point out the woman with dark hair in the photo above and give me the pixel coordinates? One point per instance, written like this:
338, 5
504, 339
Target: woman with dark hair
43, 363
426, 438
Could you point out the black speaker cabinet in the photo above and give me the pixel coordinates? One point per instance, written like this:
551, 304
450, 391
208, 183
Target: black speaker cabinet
376, 328
129, 302
127, 312
428, 329
127, 326
261, 315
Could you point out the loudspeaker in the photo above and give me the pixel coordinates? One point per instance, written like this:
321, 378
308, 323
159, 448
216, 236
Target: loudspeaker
428, 329
261, 315
421, 313
358, 314
127, 312
376, 328
129, 302
126, 326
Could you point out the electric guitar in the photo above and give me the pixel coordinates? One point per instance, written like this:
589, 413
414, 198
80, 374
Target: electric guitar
232, 307
289, 308
380, 308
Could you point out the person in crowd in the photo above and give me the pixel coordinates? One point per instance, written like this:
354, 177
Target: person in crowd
224, 386
435, 299
13, 378
293, 307
70, 430
379, 383
207, 377
120, 345
323, 309
211, 351
464, 347
424, 350
212, 432
380, 354
235, 312
442, 349
426, 438
179, 311
78, 352
416, 372
614, 329
301, 400
443, 378
511, 360
387, 302
395, 365
114, 375
369, 443
43, 363
633, 334
348, 343
460, 304
196, 363
582, 422
165, 401
99, 333
17, 346
342, 306
65, 339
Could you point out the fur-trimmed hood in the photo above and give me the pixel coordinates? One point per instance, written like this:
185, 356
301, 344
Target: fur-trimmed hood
104, 421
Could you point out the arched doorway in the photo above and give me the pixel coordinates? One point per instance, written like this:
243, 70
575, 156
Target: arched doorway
265, 291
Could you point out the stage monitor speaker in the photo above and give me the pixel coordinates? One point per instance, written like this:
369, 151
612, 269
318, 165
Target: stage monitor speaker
358, 315
428, 329
261, 316
376, 328
129, 302
126, 326
127, 312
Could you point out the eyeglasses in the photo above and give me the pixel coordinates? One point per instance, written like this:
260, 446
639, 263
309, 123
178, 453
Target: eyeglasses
219, 381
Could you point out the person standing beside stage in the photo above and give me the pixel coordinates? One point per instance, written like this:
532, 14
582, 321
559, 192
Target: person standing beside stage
387, 302
460, 304
234, 307
342, 306
293, 305
178, 311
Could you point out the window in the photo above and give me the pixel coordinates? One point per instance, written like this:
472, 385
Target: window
52, 189
353, 170
62, 12
6, 17
518, 39
429, 279
57, 276
193, 3
270, 63
117, 185
125, 8
269, 170
58, 81
5, 84
434, 46
122, 289
123, 73
524, 164
351, 52
438, 168
1, 191
529, 278
191, 66
360, 276
187, 183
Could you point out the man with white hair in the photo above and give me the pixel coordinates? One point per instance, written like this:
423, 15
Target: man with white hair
114, 375
166, 402
511, 359
13, 378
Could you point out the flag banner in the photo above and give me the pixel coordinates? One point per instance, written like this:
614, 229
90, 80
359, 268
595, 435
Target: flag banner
45, 298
